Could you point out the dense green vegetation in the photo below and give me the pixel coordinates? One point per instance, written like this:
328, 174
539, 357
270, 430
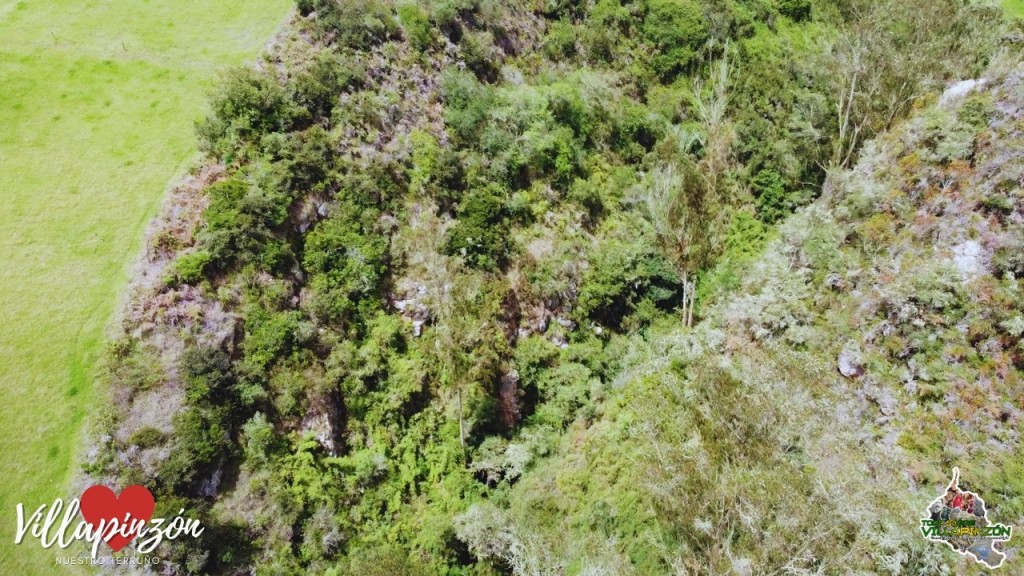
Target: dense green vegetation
553, 287
96, 108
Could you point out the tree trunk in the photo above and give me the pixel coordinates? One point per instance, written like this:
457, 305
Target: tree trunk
462, 429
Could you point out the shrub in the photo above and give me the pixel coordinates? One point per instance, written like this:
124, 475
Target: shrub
426, 157
134, 368
554, 151
416, 24
309, 159
249, 104
318, 88
744, 241
270, 336
564, 392
386, 560
533, 357
677, 30
603, 189
481, 233
208, 375
240, 225
568, 109
1009, 258
358, 24
998, 204
367, 190
346, 261
189, 267
599, 44
225, 198
975, 112
260, 438
770, 192
796, 10
560, 41
480, 55
147, 437
445, 15
636, 132
467, 103
626, 268
201, 444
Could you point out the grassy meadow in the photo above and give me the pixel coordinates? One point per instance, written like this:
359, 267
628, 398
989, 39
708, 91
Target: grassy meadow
97, 103
1014, 8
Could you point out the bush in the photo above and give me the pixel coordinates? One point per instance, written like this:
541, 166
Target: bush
626, 269
358, 24
560, 41
426, 155
744, 241
134, 368
568, 109
796, 10
677, 30
636, 132
270, 336
445, 16
608, 24
770, 192
240, 224
481, 233
386, 560
467, 103
208, 376
416, 24
318, 88
249, 104
147, 437
480, 55
189, 268
225, 198
564, 393
346, 261
309, 159
201, 444
1009, 258
555, 152
533, 357
260, 439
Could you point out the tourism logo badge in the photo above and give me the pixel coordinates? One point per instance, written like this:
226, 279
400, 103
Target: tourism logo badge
115, 520
959, 519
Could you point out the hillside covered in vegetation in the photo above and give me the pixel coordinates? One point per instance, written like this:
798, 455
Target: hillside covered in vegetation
612, 287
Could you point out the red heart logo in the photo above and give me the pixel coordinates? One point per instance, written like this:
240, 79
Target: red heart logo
100, 504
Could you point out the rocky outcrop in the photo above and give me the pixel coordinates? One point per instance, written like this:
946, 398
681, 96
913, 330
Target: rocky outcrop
508, 399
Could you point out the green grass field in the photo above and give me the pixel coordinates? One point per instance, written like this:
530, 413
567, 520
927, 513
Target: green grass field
97, 104
1014, 8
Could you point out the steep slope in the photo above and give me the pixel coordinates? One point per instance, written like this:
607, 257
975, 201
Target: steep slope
806, 423
403, 321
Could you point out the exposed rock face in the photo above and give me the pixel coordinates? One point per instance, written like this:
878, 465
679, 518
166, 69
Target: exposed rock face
325, 420
961, 89
508, 398
850, 364
511, 316
968, 259
319, 424
208, 487
413, 308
